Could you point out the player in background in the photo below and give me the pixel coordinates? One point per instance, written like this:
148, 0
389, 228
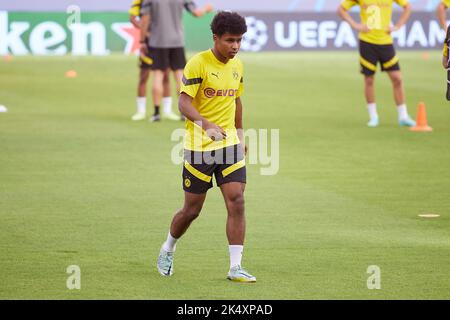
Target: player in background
165, 46
214, 144
145, 67
376, 45
441, 12
445, 49
445, 60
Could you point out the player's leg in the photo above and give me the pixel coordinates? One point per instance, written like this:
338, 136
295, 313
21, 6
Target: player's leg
369, 93
197, 180
167, 98
145, 63
368, 64
390, 64
233, 194
399, 96
160, 65
231, 177
183, 218
157, 91
193, 204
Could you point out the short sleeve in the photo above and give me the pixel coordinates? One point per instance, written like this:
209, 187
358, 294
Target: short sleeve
347, 4
446, 3
146, 7
192, 78
401, 3
135, 9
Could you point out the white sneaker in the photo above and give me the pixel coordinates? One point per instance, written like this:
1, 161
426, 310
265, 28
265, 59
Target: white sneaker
374, 122
406, 122
138, 116
155, 118
239, 274
165, 263
170, 116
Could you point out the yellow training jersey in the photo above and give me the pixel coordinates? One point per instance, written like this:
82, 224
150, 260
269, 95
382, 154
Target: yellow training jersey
135, 9
376, 14
446, 3
214, 87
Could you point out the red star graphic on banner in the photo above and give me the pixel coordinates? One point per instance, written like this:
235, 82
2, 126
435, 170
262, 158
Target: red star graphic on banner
130, 34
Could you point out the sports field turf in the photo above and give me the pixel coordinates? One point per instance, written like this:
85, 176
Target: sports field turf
81, 184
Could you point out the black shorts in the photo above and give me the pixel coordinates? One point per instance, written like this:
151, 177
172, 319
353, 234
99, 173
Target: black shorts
370, 54
163, 59
227, 165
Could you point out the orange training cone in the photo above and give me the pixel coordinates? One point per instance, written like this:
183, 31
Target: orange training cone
71, 74
421, 122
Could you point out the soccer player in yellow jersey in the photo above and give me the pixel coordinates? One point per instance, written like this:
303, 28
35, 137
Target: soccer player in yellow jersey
441, 12
445, 60
145, 64
376, 45
214, 144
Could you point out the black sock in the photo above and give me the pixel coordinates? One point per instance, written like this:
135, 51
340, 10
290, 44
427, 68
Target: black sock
156, 110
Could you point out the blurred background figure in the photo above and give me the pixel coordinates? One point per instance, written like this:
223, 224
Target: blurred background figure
145, 64
441, 12
376, 45
164, 45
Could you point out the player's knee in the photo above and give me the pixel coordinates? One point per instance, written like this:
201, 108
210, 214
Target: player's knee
237, 200
143, 78
369, 80
397, 80
192, 212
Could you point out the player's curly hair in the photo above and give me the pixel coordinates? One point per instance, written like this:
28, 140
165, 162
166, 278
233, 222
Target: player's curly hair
228, 22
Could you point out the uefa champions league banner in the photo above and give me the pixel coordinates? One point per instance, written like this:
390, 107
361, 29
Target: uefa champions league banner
326, 31
23, 33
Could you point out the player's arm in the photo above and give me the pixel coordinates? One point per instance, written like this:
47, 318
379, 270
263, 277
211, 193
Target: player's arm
144, 26
238, 123
403, 18
135, 21
441, 15
134, 13
197, 12
343, 13
188, 110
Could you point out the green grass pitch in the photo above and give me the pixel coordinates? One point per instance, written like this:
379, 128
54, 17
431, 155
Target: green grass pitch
81, 184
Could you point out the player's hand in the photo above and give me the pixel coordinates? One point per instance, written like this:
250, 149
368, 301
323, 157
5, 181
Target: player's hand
244, 147
144, 49
208, 8
391, 29
362, 28
215, 132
